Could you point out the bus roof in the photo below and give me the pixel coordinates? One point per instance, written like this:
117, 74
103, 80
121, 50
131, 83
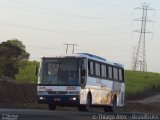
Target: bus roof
86, 55
93, 56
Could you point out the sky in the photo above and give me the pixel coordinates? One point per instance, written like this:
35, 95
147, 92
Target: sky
101, 27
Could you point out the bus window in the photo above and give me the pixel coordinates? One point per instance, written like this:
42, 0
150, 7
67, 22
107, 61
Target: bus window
51, 72
115, 73
60, 71
110, 72
120, 74
91, 68
73, 77
103, 71
97, 69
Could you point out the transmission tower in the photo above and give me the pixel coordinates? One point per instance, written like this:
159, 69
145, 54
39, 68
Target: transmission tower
139, 60
67, 45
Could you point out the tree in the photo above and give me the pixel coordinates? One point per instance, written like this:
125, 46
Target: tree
12, 53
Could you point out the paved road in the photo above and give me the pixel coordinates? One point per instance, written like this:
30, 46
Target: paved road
33, 114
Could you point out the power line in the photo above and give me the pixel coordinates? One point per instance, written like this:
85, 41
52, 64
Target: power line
55, 30
57, 12
67, 45
139, 59
22, 8
34, 6
46, 48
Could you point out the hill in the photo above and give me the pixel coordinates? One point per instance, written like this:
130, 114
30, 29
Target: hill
141, 84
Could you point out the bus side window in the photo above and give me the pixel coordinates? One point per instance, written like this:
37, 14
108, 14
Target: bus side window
103, 71
115, 73
91, 67
110, 72
97, 69
120, 75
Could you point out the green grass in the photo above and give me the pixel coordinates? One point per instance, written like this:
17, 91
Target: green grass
141, 84
27, 73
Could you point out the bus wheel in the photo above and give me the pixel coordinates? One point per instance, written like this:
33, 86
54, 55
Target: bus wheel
108, 109
87, 106
112, 108
114, 105
51, 107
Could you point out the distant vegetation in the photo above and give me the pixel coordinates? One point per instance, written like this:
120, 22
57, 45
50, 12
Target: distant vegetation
141, 84
27, 72
12, 54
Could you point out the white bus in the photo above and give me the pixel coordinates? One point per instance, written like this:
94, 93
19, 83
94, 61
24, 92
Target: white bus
83, 80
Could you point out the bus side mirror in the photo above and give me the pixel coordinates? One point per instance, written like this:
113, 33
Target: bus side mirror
36, 71
83, 73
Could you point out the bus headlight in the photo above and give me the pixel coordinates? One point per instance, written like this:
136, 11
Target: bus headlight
73, 98
42, 98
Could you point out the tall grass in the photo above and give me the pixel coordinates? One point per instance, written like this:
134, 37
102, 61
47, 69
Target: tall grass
141, 84
27, 73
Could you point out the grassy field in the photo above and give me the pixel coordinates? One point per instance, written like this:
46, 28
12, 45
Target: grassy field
141, 84
138, 84
27, 73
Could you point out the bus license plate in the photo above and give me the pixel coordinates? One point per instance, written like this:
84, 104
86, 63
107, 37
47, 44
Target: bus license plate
57, 99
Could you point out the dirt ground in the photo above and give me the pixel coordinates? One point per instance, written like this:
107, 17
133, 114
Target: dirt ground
17, 95
150, 100
12, 93
150, 104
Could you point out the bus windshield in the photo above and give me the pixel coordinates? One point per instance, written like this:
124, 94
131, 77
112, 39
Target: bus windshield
60, 71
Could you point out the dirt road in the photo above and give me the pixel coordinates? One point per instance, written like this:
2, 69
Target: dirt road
153, 100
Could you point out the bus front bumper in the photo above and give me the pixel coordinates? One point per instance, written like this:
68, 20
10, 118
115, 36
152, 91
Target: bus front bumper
59, 99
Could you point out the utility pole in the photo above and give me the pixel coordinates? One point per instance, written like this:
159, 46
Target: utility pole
139, 61
73, 47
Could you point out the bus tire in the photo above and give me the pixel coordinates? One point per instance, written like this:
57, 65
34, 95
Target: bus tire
52, 107
88, 104
114, 104
108, 109
112, 108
